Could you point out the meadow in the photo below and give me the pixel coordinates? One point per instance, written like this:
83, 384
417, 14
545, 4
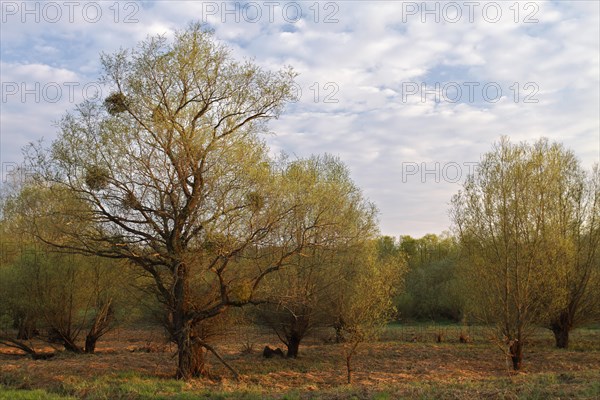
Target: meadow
407, 362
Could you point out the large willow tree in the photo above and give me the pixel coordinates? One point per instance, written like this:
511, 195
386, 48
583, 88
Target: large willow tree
174, 178
528, 226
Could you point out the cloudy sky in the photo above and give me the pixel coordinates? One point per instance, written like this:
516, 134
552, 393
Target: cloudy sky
407, 94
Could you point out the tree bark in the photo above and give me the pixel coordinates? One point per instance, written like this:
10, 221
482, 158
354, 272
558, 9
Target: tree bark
561, 327
190, 353
90, 344
101, 325
516, 354
190, 359
293, 344
561, 336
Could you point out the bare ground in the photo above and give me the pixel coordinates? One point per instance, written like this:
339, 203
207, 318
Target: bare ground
407, 362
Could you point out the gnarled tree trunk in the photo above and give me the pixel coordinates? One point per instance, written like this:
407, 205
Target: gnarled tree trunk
190, 353
191, 358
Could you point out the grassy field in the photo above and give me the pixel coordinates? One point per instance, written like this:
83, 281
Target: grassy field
406, 363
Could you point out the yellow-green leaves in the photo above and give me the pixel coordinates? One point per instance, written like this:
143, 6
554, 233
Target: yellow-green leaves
521, 219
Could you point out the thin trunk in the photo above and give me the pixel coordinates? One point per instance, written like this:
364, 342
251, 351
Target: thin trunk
339, 331
516, 354
17, 344
349, 368
229, 367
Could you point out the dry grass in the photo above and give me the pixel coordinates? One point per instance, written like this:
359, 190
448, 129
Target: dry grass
132, 364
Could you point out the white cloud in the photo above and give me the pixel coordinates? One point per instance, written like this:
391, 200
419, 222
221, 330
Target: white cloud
365, 58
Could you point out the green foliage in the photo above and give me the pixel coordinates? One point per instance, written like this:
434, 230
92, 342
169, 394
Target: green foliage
306, 293
368, 296
515, 218
60, 293
171, 174
45, 289
432, 288
369, 303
